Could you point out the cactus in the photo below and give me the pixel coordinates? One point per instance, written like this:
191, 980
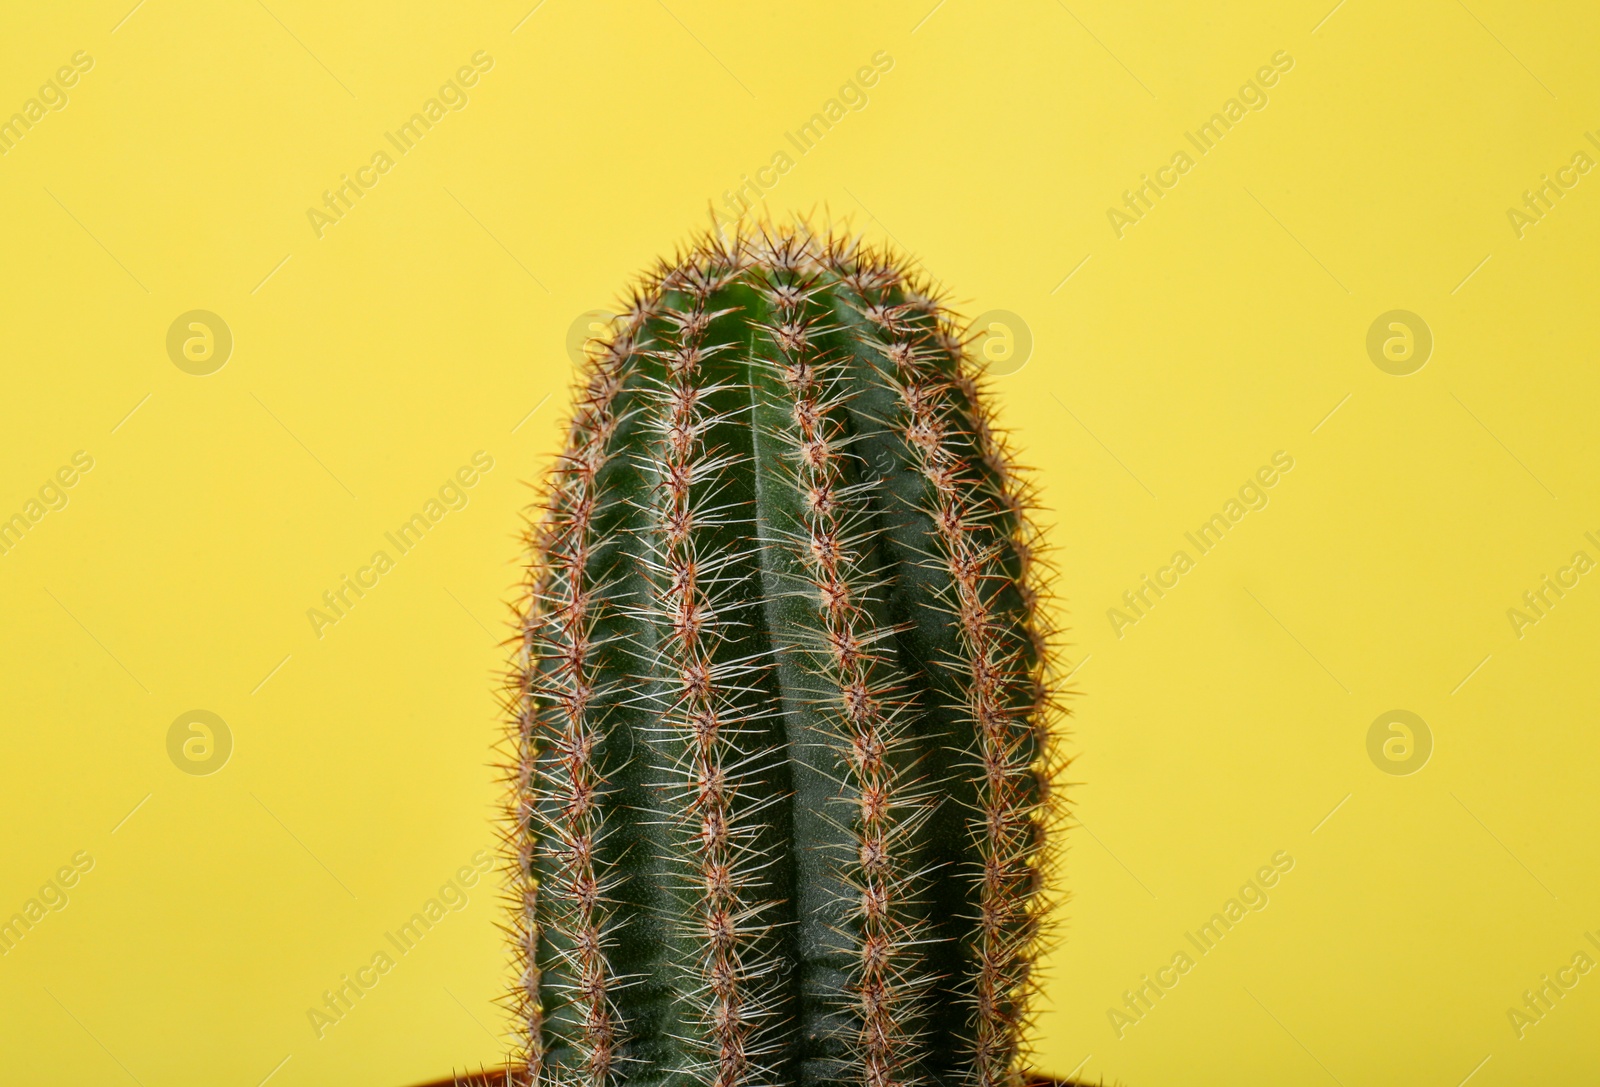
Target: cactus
779, 757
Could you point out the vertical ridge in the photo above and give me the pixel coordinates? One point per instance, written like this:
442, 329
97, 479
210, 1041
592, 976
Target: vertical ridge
853, 708
983, 625
560, 918
997, 670
727, 799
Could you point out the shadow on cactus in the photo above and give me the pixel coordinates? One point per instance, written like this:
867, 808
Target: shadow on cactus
781, 751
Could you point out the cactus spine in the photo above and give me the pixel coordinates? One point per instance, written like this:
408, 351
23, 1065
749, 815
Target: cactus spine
778, 758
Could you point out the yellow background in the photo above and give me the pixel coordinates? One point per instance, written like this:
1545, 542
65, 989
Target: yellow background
370, 364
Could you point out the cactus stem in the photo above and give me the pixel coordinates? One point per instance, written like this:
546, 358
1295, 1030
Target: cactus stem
780, 749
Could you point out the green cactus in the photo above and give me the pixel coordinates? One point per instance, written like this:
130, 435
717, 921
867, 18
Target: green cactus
779, 760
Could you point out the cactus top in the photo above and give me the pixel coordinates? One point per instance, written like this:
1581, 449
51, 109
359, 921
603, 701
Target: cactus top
779, 755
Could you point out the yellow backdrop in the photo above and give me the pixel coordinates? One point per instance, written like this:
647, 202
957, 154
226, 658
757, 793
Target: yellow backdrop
1311, 394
